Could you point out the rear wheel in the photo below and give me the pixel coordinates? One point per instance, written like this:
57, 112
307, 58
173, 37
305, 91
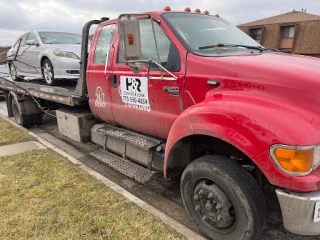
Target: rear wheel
48, 73
222, 199
21, 119
14, 73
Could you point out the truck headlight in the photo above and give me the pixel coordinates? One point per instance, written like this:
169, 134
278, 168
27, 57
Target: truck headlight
296, 160
65, 54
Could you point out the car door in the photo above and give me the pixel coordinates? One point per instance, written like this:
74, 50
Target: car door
21, 57
32, 55
98, 73
148, 103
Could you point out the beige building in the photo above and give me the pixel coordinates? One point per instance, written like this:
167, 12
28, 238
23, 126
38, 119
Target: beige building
294, 32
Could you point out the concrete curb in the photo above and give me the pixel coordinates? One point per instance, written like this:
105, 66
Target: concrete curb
178, 227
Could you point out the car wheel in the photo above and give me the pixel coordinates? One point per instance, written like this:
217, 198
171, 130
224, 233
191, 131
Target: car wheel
14, 73
48, 74
222, 199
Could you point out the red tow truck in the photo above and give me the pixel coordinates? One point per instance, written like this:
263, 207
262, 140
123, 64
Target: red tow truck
190, 95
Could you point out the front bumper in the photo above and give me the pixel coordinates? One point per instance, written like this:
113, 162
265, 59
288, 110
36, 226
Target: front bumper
67, 68
300, 211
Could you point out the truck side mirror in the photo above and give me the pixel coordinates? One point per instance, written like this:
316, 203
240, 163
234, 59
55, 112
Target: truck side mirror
129, 32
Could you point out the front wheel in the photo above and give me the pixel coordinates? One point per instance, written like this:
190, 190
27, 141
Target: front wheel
222, 199
14, 72
48, 73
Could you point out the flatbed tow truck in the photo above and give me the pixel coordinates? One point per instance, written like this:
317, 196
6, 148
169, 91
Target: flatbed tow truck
190, 95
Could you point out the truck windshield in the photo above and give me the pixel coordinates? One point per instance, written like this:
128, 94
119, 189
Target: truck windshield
60, 38
204, 34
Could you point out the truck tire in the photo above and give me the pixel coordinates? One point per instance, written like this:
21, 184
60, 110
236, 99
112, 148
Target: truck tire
48, 73
222, 199
37, 119
21, 119
13, 72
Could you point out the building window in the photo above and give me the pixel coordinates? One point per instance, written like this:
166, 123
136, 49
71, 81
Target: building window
288, 32
256, 33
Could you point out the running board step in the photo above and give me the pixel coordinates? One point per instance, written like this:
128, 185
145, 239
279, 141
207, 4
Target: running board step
130, 169
127, 144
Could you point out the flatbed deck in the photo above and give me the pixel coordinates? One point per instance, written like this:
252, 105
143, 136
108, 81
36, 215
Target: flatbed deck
63, 94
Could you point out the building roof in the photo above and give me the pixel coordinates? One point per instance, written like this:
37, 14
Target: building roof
294, 16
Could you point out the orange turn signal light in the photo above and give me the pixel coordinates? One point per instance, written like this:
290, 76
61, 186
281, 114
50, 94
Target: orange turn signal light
197, 10
294, 160
130, 39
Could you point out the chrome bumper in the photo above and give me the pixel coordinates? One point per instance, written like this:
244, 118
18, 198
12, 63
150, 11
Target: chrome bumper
300, 211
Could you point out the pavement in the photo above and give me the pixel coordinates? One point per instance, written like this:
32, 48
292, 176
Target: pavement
160, 194
17, 148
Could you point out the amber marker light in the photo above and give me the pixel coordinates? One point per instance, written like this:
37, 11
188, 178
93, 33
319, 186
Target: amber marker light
187, 9
206, 12
130, 39
296, 161
167, 8
197, 10
217, 15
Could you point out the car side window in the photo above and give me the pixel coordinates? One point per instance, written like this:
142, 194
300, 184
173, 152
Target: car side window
169, 55
24, 39
32, 37
103, 43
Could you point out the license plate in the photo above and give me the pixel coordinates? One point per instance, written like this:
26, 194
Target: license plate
317, 213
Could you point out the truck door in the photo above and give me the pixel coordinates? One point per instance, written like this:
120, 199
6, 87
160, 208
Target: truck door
98, 73
148, 105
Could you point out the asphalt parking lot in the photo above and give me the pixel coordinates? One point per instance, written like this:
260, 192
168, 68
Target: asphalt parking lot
160, 193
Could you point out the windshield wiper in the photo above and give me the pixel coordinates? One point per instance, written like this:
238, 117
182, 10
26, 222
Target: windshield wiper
260, 48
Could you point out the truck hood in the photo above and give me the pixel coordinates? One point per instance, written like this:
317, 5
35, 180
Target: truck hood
286, 70
75, 48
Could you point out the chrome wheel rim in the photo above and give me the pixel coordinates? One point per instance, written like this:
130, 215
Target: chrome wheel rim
47, 72
13, 70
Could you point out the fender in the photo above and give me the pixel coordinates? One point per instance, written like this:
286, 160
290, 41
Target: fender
251, 125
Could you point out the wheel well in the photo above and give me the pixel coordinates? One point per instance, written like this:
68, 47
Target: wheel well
192, 147
42, 60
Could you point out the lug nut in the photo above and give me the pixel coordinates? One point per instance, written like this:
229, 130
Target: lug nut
209, 206
201, 192
219, 218
204, 218
210, 195
196, 197
219, 206
197, 208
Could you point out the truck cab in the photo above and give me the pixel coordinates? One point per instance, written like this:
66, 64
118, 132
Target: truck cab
224, 101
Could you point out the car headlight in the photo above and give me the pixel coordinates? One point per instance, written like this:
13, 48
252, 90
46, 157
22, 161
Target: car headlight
65, 54
296, 160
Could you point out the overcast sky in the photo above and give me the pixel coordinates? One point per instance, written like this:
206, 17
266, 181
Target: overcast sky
19, 16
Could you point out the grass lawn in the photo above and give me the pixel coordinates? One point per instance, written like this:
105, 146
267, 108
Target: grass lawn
10, 134
45, 196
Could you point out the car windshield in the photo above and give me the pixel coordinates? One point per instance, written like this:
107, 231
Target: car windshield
60, 38
204, 33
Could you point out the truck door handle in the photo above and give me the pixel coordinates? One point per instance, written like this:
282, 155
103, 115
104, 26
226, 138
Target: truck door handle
113, 81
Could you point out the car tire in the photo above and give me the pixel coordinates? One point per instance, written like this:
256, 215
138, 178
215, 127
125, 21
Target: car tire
13, 72
222, 199
48, 73
21, 119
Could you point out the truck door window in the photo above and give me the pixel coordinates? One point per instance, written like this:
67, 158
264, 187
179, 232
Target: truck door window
169, 55
103, 44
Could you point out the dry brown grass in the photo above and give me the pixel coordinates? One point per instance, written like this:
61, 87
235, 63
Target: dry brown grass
44, 196
10, 134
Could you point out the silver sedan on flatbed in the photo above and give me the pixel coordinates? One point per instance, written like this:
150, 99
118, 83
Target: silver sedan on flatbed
43, 54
